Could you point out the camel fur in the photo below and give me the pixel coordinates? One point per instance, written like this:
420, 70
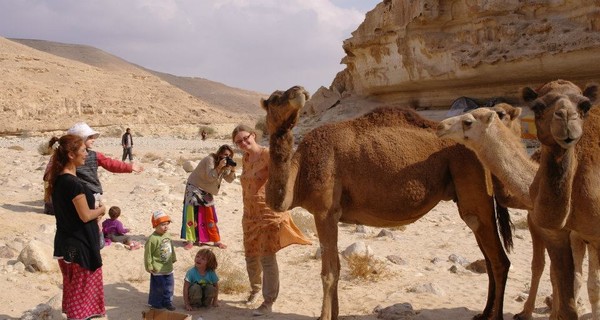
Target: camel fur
386, 168
563, 219
500, 149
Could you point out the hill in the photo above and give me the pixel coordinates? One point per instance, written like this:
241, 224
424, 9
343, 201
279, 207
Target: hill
47, 86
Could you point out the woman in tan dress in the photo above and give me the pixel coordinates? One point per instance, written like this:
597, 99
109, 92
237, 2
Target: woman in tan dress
265, 231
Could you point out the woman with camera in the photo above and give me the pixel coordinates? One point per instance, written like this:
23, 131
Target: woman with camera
199, 214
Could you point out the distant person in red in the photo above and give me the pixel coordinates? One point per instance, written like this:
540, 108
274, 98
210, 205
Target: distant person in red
127, 143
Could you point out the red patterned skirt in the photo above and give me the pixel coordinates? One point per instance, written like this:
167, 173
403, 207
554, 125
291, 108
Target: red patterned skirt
83, 291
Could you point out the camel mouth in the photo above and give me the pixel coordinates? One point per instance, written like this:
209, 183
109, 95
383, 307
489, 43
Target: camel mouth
568, 140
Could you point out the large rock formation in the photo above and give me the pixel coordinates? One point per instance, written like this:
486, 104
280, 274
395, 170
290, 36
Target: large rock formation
426, 53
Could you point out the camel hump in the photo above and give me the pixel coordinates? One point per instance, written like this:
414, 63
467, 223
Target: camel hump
391, 116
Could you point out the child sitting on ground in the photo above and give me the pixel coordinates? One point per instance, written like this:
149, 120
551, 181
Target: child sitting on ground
114, 231
201, 283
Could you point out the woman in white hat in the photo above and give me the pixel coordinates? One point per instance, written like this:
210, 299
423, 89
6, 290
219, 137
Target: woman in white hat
89, 171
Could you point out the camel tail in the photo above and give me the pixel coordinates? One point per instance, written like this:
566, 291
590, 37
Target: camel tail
505, 226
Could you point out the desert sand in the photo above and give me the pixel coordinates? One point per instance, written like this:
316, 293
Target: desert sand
422, 276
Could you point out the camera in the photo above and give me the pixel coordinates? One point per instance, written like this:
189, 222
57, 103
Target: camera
229, 162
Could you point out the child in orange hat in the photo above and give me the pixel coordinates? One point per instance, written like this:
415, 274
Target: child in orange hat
159, 256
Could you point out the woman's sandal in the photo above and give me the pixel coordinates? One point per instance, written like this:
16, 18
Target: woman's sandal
188, 245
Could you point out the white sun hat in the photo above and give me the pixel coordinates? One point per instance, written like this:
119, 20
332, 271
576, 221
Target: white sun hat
83, 130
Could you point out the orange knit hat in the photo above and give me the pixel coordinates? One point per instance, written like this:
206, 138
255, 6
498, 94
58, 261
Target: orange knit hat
159, 217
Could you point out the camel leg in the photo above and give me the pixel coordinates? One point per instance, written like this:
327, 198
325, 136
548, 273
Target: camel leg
594, 281
562, 274
538, 262
482, 221
327, 231
578, 247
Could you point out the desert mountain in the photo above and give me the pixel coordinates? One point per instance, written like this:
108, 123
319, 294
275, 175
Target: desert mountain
47, 86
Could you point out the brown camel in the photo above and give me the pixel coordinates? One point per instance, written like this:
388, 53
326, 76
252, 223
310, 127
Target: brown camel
503, 153
564, 186
386, 168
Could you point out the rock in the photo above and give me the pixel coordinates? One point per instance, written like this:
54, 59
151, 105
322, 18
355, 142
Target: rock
396, 260
7, 253
398, 311
357, 248
360, 229
385, 233
404, 53
46, 311
458, 259
477, 266
38, 256
427, 288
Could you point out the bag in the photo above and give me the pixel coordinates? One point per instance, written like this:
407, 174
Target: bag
197, 197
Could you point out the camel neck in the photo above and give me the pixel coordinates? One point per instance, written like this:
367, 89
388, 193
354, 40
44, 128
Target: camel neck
506, 157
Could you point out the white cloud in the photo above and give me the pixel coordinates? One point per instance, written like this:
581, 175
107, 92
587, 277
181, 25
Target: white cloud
260, 45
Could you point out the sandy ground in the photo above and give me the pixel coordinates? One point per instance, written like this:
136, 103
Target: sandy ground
424, 246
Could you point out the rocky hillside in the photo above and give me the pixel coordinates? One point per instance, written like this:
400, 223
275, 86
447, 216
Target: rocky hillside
46, 86
426, 53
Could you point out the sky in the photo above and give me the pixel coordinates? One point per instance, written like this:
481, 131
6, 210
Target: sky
258, 45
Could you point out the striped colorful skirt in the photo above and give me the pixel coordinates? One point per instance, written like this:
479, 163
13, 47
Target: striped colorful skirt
83, 291
200, 224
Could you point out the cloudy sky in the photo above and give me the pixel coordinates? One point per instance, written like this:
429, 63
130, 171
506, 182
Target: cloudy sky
259, 45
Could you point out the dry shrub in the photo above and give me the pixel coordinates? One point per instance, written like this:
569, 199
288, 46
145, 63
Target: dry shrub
261, 126
209, 131
232, 278
43, 149
366, 267
18, 148
149, 157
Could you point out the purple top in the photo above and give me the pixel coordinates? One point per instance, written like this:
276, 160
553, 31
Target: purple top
110, 226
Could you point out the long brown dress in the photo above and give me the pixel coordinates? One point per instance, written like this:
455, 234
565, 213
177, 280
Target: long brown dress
265, 231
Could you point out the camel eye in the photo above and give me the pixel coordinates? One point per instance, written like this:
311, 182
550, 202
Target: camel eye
501, 114
584, 106
467, 123
538, 109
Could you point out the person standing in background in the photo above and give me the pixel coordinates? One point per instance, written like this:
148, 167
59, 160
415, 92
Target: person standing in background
127, 143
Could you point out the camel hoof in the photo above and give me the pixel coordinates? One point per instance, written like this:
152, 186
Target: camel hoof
522, 316
484, 317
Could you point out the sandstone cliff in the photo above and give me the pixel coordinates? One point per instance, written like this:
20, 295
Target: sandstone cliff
426, 53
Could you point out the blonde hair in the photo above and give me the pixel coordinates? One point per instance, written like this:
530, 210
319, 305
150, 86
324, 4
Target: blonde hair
241, 128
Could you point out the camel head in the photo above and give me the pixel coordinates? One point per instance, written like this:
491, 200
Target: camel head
283, 108
468, 127
509, 115
560, 108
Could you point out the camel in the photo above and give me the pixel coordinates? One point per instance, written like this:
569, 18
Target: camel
560, 108
385, 168
497, 145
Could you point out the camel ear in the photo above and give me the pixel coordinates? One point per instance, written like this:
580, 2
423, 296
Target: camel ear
487, 119
515, 113
591, 92
263, 104
528, 94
